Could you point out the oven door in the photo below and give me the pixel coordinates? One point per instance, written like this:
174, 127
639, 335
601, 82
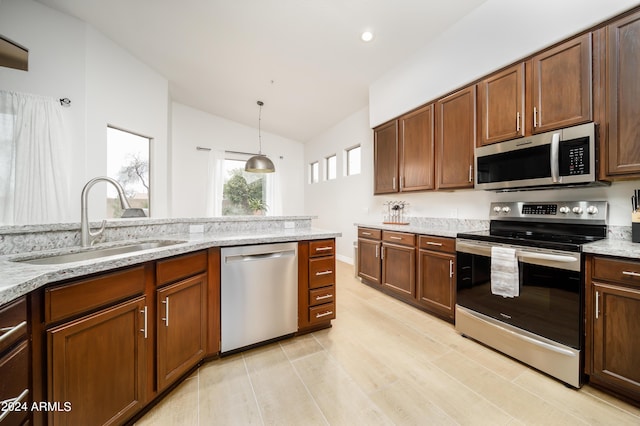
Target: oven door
550, 297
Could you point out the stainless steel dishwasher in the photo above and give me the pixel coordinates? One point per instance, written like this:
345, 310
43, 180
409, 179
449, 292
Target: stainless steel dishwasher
259, 294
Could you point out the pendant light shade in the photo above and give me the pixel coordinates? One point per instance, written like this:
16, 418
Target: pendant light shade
259, 163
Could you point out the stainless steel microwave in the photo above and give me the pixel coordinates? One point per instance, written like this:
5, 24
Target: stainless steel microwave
565, 157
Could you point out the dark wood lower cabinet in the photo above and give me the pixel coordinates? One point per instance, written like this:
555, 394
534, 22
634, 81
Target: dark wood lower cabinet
398, 269
613, 329
97, 366
182, 328
437, 282
369, 260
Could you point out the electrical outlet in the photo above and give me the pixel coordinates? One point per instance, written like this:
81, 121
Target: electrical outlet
454, 213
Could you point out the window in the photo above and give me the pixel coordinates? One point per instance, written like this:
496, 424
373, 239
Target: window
353, 160
243, 193
330, 167
128, 163
314, 172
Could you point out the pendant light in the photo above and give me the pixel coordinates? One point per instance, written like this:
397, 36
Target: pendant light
259, 163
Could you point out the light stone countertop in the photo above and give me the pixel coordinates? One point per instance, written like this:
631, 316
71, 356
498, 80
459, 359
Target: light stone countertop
613, 247
444, 228
19, 278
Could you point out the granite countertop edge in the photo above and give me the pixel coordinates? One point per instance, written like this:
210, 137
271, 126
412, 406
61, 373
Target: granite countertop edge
21, 278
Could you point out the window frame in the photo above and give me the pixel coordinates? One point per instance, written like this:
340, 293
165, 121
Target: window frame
347, 163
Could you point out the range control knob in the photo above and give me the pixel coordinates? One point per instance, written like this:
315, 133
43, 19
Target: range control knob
577, 210
564, 209
592, 210
497, 209
506, 209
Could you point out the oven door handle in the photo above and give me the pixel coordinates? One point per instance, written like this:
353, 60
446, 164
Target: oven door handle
550, 257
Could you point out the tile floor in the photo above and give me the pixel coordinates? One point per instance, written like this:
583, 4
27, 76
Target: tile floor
385, 363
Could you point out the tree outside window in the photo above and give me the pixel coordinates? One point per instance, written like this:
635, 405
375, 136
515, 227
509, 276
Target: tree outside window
128, 163
243, 193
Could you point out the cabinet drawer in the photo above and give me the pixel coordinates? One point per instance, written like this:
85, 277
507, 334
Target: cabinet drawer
322, 295
321, 248
14, 370
322, 313
444, 244
179, 267
399, 238
322, 272
13, 323
373, 234
83, 296
621, 271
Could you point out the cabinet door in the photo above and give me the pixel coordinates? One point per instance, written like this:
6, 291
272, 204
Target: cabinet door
385, 158
616, 337
623, 92
97, 364
436, 282
456, 139
562, 85
369, 260
398, 269
501, 106
417, 154
182, 327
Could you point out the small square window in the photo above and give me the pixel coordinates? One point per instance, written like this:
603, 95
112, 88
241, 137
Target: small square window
314, 172
331, 167
353, 160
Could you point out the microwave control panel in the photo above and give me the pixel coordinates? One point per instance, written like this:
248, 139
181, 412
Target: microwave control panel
574, 157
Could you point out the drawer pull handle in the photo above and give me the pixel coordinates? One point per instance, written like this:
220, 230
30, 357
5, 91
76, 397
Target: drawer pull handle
366, 233
324, 273
395, 238
631, 273
324, 314
324, 248
9, 331
326, 296
20, 398
431, 243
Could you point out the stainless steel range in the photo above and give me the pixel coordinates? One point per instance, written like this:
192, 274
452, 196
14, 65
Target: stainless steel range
520, 284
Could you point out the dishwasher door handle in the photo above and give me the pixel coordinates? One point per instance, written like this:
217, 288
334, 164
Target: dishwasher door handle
259, 256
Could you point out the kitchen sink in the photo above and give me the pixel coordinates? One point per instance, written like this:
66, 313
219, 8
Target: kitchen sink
98, 253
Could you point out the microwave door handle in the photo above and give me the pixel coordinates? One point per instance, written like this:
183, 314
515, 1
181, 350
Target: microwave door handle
555, 165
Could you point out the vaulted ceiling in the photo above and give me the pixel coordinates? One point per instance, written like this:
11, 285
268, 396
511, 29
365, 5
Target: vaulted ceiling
303, 58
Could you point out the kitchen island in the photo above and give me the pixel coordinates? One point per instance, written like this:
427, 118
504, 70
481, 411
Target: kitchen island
105, 337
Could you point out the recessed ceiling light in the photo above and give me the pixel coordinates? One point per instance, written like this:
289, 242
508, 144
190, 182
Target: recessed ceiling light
367, 36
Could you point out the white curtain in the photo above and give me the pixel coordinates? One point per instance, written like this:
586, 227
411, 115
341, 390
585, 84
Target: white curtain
34, 171
215, 183
274, 192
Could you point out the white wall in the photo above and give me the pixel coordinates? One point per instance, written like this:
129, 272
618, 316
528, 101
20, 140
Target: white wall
497, 33
106, 85
192, 128
341, 202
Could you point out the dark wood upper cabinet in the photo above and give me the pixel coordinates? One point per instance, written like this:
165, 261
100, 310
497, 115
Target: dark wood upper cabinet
622, 96
456, 139
417, 154
501, 106
385, 158
561, 85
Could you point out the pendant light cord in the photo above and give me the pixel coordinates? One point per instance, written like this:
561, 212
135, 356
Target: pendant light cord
260, 103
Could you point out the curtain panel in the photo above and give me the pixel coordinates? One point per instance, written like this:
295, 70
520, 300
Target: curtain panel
34, 157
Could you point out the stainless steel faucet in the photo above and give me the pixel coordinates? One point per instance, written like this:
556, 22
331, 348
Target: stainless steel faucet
88, 237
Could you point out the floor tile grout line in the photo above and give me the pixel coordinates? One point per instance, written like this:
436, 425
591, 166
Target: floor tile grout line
295, 370
253, 390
